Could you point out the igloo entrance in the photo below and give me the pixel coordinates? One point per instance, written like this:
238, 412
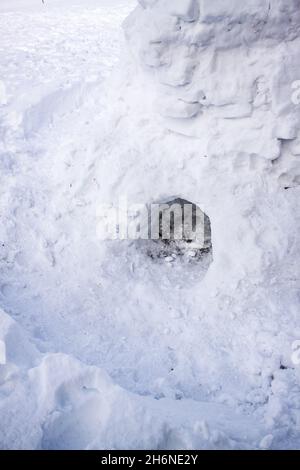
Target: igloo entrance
179, 230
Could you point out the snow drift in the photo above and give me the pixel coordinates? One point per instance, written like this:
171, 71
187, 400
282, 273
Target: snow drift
202, 107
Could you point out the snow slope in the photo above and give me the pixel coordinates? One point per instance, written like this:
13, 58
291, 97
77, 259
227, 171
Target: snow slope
101, 347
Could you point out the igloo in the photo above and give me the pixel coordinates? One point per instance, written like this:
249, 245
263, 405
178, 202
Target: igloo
207, 109
218, 122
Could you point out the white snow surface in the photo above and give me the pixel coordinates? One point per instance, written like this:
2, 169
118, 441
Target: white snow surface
100, 347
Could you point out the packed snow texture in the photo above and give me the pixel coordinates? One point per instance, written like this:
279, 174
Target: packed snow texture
100, 347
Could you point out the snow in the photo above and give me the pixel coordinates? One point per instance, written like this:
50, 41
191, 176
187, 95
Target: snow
100, 346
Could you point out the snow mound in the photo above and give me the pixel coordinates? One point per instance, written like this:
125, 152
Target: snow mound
100, 347
74, 406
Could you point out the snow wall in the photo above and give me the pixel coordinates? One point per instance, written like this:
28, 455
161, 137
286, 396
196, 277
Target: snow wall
214, 89
208, 110
222, 77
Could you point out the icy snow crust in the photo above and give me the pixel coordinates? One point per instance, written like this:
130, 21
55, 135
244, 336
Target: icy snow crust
99, 346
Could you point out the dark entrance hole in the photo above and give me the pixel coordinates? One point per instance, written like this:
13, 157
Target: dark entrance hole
179, 230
